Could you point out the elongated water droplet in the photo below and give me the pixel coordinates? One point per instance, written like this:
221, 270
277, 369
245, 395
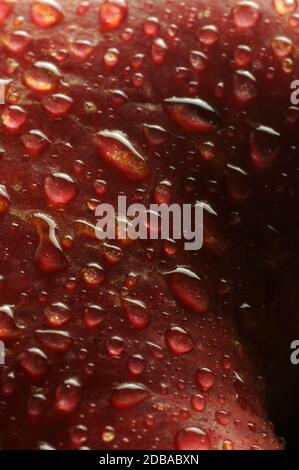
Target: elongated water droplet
194, 115
192, 438
189, 289
46, 13
129, 395
49, 255
115, 147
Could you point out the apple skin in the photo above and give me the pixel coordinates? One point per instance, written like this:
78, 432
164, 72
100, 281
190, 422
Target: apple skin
184, 381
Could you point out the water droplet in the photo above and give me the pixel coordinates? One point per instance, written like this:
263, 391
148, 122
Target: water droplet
244, 86
46, 13
60, 189
227, 445
4, 199
8, 327
93, 274
58, 105
205, 378
35, 142
136, 364
159, 51
49, 255
93, 316
194, 115
55, 340
189, 289
115, 147
42, 77
151, 27
111, 57
78, 435
68, 395
178, 340
282, 46
285, 7
136, 312
192, 438
81, 50
163, 192
155, 135
13, 119
16, 42
264, 147
246, 14
129, 395
209, 35
198, 60
36, 405
113, 14
243, 56
57, 314
115, 346
34, 362
198, 403
222, 417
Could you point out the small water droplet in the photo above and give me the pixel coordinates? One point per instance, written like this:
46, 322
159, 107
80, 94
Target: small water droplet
178, 340
282, 46
57, 314
151, 27
68, 395
244, 86
264, 147
93, 274
93, 316
198, 60
34, 362
81, 50
198, 403
136, 364
60, 189
246, 14
46, 13
159, 51
58, 341
136, 312
192, 438
42, 77
113, 14
58, 105
189, 289
35, 142
205, 378
16, 42
209, 35
222, 417
129, 395
13, 119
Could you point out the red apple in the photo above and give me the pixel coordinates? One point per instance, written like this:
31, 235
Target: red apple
121, 345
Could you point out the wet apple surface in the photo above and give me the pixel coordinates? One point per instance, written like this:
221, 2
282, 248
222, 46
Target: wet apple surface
142, 344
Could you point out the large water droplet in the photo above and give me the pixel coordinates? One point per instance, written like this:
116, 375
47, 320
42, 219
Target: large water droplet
93, 316
115, 147
60, 189
55, 340
194, 115
136, 312
178, 340
46, 13
16, 42
192, 438
190, 289
129, 395
113, 14
246, 14
42, 77
264, 147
